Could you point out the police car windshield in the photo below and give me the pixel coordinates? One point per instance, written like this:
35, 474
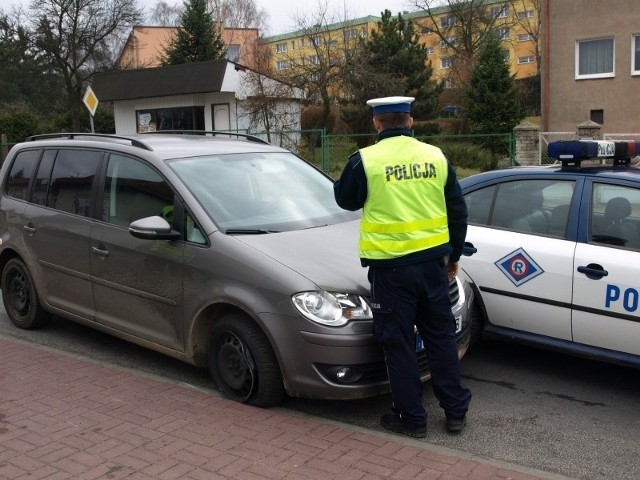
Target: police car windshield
274, 191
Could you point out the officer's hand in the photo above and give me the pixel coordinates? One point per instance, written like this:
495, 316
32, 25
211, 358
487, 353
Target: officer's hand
452, 270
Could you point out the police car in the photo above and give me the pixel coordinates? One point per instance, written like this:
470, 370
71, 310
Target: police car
554, 251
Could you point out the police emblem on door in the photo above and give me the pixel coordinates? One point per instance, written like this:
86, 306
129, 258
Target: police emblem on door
519, 267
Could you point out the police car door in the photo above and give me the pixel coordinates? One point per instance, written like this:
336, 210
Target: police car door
524, 262
607, 278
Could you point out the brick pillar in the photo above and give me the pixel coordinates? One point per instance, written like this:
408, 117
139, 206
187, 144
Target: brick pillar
590, 130
527, 148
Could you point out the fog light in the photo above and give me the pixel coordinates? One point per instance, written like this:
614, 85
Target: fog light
341, 374
348, 374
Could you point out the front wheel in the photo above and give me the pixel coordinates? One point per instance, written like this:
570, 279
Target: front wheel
20, 298
476, 325
243, 364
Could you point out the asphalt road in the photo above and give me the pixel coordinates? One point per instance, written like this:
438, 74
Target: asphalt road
534, 408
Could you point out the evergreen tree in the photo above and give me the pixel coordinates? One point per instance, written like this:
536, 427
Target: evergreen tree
492, 98
392, 62
198, 39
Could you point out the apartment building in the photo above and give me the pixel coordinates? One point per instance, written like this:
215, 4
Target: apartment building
591, 67
304, 47
146, 44
517, 23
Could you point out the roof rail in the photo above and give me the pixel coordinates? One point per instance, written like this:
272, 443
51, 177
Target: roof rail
251, 138
72, 136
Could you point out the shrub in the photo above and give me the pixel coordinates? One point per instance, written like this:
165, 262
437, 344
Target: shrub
467, 155
425, 129
18, 125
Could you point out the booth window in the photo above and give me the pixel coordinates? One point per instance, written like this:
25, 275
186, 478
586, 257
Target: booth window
177, 118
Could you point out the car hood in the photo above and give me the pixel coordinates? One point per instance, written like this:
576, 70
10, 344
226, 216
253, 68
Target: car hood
326, 256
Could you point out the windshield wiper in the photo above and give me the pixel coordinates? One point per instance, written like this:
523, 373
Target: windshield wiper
249, 231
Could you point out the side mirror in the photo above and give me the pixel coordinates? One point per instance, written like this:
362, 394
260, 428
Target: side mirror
153, 228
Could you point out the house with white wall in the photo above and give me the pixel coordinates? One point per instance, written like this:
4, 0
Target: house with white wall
212, 95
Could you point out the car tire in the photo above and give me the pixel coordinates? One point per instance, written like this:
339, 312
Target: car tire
475, 330
20, 298
242, 363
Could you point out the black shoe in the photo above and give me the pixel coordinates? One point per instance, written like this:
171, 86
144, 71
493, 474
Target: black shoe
399, 425
456, 425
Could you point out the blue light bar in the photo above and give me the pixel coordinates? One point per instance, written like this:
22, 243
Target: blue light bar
577, 150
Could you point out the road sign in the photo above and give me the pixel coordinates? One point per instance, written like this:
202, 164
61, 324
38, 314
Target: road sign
91, 101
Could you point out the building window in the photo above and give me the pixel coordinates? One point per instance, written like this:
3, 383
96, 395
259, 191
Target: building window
281, 47
595, 58
597, 116
525, 14
314, 60
446, 62
293, 44
316, 40
525, 37
350, 34
282, 65
449, 21
635, 55
429, 50
426, 31
233, 53
523, 60
177, 118
448, 42
500, 12
503, 33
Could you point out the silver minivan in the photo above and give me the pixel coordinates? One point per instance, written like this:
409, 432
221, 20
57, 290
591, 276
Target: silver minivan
220, 250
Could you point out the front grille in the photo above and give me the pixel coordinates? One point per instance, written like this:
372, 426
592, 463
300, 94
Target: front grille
454, 292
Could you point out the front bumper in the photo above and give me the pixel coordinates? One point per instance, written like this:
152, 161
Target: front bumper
346, 363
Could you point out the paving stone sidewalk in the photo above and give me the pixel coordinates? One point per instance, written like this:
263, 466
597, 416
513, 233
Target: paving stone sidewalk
65, 417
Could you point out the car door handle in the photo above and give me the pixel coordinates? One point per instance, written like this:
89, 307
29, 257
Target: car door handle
593, 271
468, 249
30, 228
100, 250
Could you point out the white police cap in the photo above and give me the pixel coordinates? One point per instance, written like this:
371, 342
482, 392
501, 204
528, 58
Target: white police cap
390, 104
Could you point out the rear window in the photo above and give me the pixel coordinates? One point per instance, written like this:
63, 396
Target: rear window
20, 175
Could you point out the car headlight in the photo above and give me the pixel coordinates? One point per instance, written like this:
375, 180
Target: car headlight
331, 308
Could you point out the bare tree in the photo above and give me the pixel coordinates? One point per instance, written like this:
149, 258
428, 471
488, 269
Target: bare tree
265, 99
461, 26
239, 14
80, 37
166, 15
318, 64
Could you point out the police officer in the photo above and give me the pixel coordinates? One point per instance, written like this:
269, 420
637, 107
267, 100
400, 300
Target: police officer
412, 232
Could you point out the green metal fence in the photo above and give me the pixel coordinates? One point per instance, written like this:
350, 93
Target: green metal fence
330, 152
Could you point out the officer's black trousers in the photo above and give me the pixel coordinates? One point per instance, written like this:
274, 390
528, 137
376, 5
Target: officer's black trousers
417, 295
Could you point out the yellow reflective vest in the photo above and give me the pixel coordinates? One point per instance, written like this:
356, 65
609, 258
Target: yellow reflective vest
405, 210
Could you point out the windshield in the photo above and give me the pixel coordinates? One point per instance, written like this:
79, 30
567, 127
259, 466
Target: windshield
261, 192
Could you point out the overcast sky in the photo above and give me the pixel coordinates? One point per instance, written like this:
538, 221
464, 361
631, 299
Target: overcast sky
282, 12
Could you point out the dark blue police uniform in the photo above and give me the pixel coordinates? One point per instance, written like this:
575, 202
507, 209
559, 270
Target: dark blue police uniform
414, 290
